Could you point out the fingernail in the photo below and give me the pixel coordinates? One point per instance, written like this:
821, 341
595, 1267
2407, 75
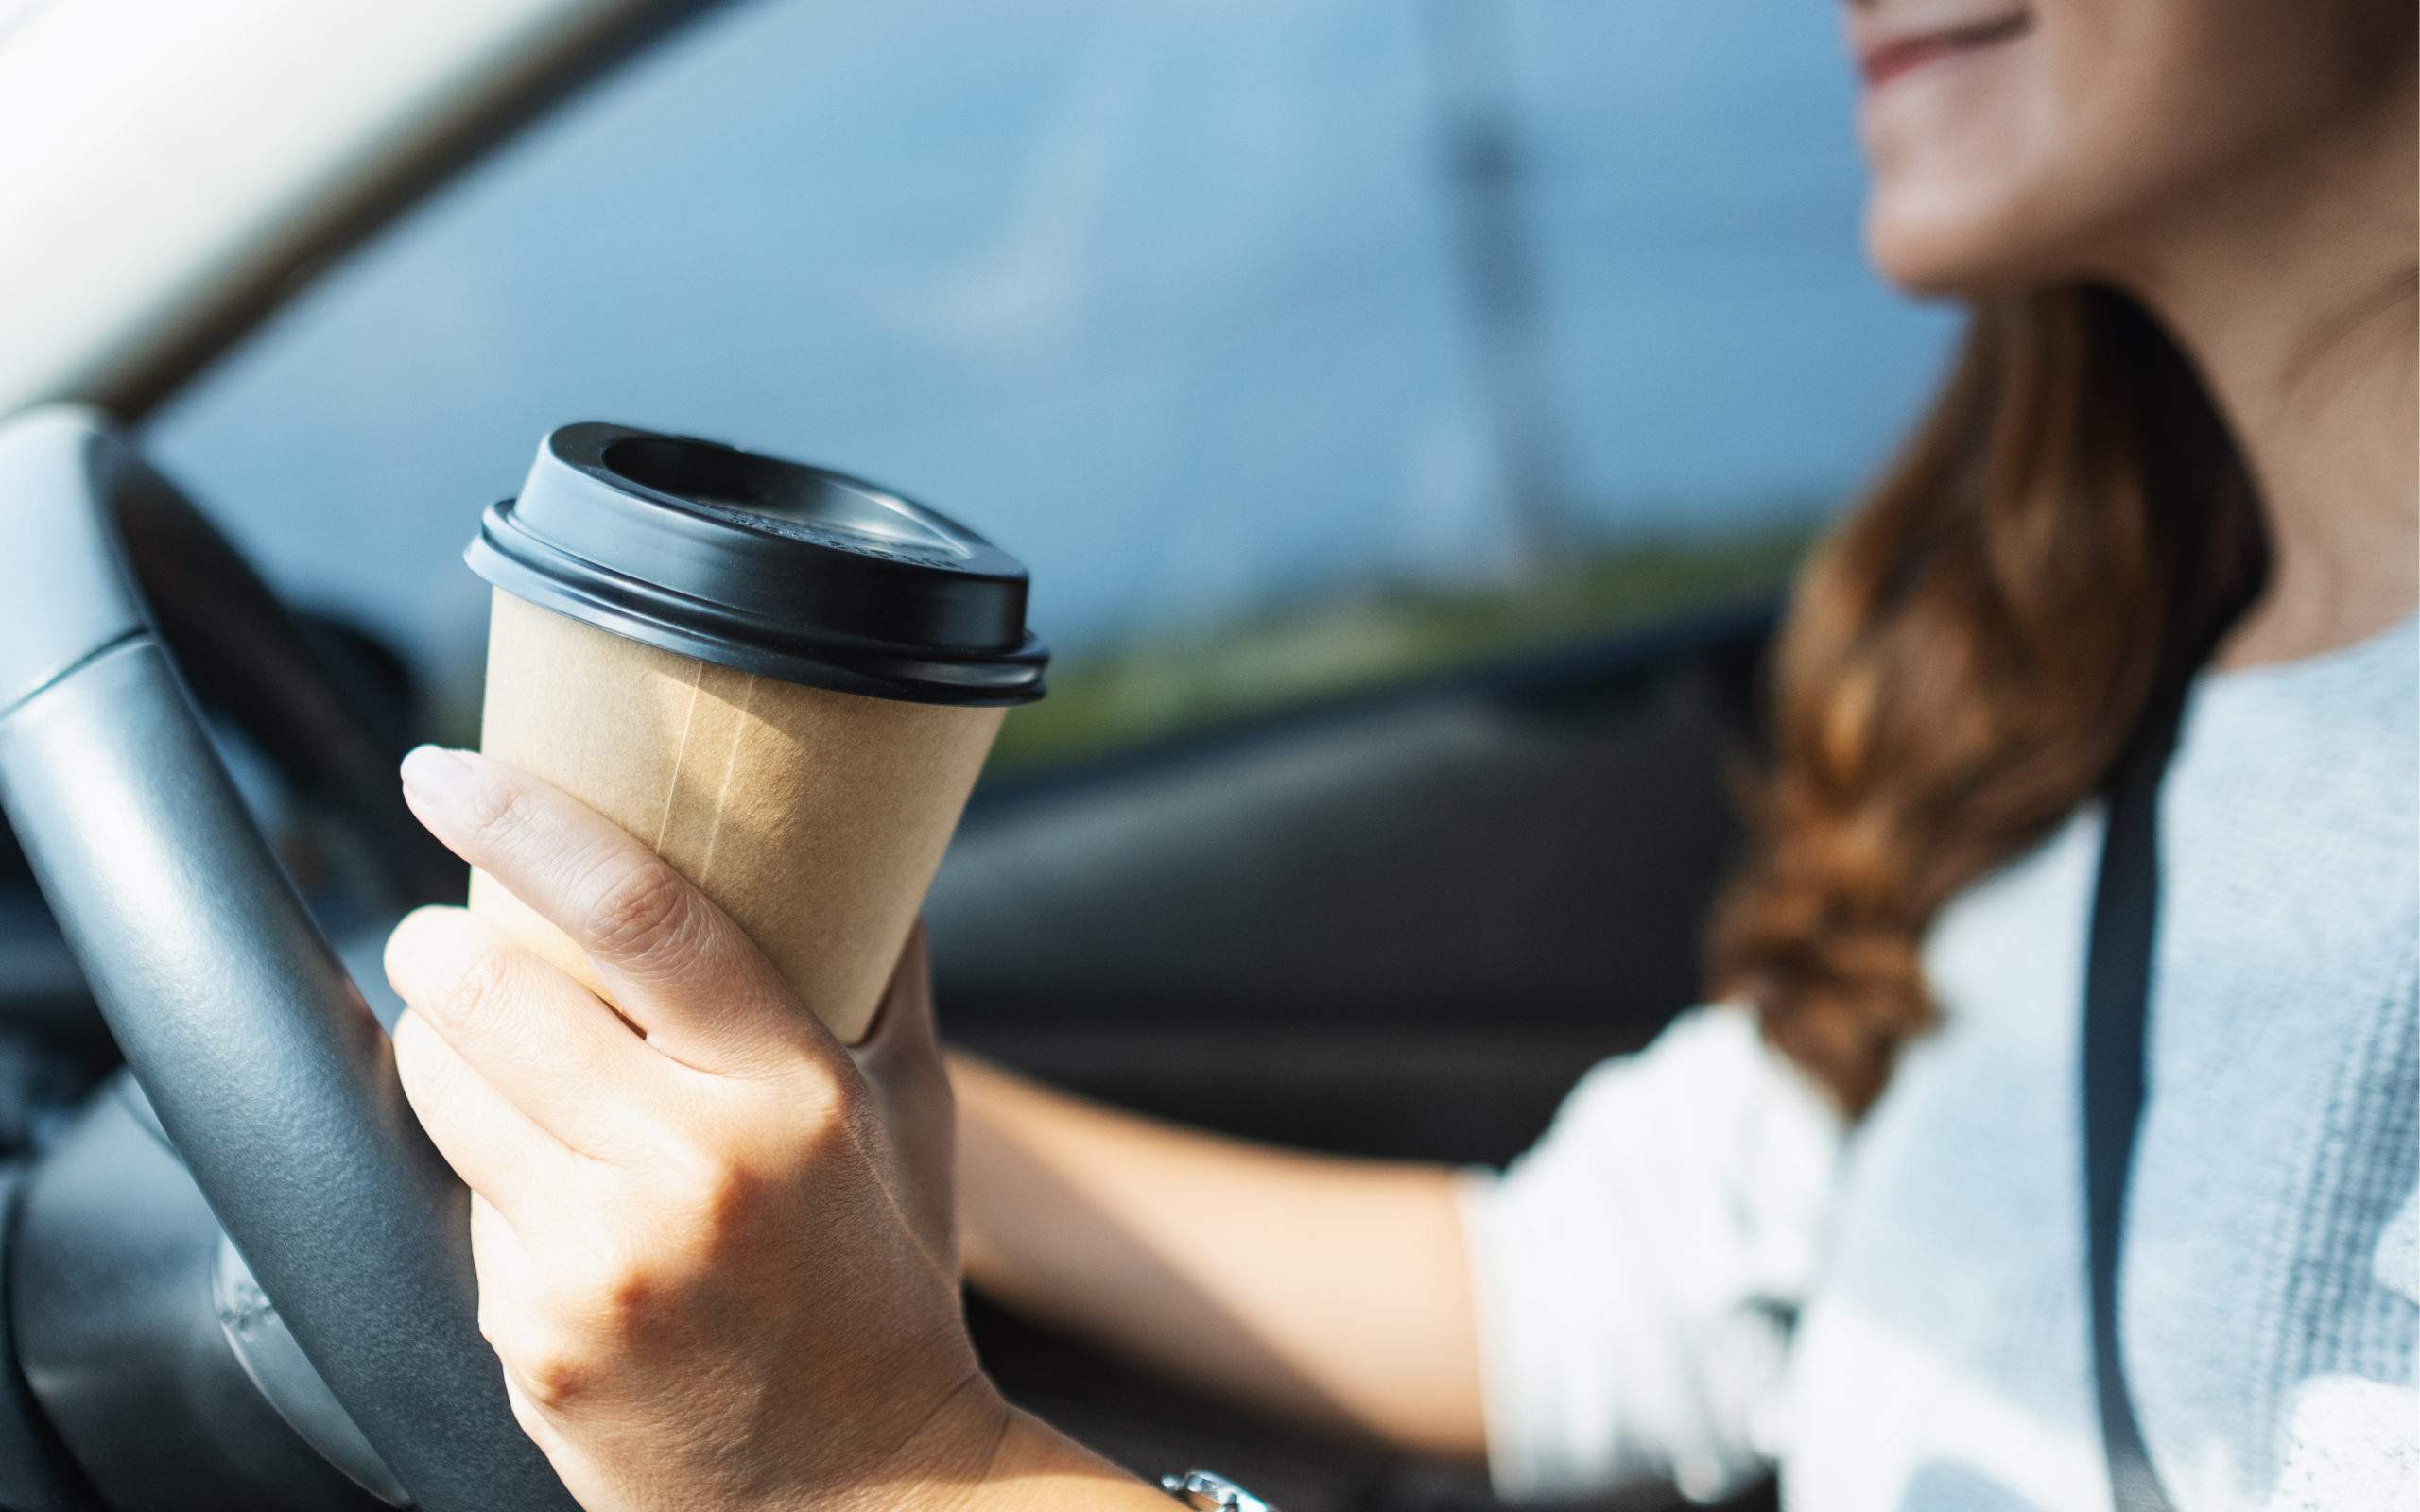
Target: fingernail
436, 773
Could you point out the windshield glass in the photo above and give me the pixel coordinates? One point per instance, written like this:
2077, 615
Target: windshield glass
1295, 346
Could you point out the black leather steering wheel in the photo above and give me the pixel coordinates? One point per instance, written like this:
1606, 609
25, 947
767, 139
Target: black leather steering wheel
264, 1064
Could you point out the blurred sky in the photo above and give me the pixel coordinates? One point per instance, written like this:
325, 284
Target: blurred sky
1163, 294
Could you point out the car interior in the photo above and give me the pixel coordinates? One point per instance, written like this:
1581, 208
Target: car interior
1398, 925
1453, 842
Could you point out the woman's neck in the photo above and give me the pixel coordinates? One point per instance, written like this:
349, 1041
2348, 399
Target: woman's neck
2293, 293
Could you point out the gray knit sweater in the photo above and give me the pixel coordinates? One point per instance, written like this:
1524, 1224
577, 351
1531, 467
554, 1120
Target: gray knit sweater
1699, 1273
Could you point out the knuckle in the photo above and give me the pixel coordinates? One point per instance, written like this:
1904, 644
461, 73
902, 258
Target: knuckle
554, 1375
638, 906
479, 980
720, 1200
494, 807
730, 1201
617, 1296
630, 1295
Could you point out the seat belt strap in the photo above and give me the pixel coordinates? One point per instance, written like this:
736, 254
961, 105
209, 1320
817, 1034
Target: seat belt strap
2116, 1025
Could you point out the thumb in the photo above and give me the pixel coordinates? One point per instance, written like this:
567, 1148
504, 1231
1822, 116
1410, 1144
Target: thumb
902, 1029
901, 1060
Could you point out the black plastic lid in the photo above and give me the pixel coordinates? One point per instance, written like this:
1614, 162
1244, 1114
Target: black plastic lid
773, 567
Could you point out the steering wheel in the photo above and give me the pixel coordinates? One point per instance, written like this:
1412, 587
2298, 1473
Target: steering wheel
263, 1064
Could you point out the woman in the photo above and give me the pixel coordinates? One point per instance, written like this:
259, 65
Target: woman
1829, 1221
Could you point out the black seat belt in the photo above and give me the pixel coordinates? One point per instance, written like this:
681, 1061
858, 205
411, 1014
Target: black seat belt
2117, 973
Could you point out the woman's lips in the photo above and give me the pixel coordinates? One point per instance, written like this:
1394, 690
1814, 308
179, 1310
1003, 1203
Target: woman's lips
1885, 61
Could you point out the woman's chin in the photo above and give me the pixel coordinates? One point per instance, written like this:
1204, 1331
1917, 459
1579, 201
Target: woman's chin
1940, 252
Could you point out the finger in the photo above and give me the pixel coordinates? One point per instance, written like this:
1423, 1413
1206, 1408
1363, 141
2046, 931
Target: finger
512, 1297
509, 1307
675, 964
533, 1034
571, 1468
499, 1154
503, 1269
509, 1321
589, 1484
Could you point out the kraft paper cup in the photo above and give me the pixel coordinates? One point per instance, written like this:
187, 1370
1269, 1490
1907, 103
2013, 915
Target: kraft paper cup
782, 680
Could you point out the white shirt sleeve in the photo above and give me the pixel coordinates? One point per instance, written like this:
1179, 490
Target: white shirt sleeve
1637, 1272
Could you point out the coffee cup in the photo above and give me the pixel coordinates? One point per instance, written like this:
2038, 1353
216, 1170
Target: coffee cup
782, 679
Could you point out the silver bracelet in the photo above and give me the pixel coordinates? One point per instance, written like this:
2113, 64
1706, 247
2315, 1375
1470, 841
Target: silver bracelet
1205, 1492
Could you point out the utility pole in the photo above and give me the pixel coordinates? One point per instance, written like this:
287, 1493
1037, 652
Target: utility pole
1476, 100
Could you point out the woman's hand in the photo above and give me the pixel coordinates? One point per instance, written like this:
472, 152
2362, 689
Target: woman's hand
715, 1250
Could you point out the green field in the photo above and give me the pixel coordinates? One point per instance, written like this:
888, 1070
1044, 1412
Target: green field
1289, 653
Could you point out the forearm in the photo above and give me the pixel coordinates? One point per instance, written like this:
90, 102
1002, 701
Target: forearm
1322, 1289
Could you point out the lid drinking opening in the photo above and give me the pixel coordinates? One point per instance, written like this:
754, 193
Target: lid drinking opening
779, 490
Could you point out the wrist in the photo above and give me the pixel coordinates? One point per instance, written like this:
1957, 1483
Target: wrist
1034, 1468
937, 1467
947, 1454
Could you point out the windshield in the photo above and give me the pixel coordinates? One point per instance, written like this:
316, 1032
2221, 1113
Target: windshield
1296, 346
